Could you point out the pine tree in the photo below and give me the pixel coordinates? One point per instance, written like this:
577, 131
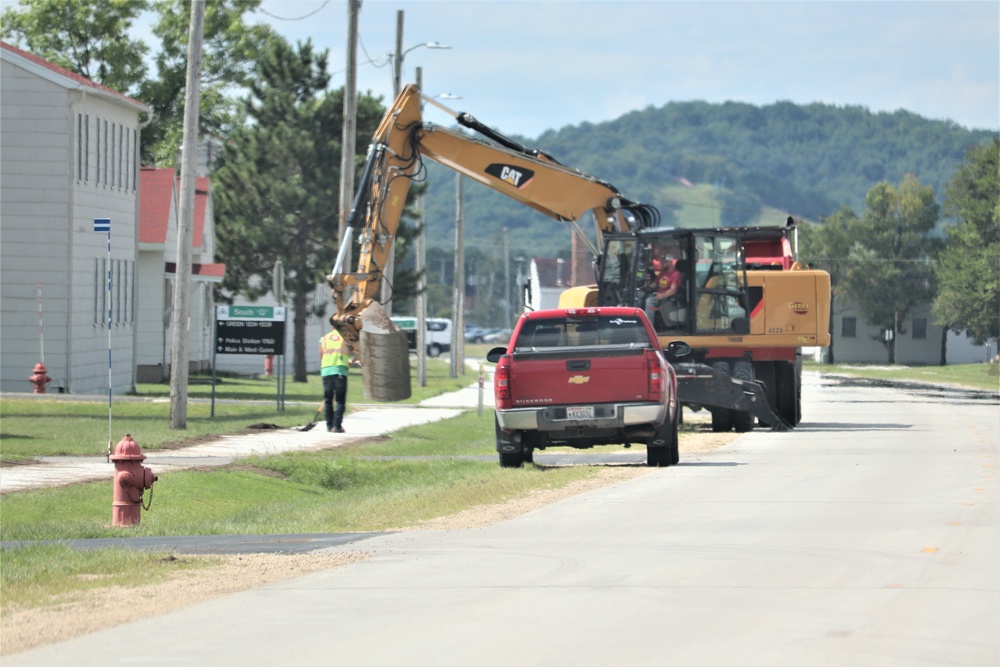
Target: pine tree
277, 182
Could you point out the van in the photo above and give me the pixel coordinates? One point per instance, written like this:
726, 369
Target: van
438, 336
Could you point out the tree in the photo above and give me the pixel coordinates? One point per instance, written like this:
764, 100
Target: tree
88, 37
827, 245
231, 48
277, 182
968, 270
892, 270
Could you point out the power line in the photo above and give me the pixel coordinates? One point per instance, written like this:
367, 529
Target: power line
295, 18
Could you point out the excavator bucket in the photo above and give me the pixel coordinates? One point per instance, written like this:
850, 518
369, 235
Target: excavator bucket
386, 368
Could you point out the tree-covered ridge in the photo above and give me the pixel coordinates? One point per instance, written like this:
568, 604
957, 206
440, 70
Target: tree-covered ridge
807, 160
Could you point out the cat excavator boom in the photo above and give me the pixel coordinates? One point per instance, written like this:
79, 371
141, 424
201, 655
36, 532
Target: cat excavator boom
395, 157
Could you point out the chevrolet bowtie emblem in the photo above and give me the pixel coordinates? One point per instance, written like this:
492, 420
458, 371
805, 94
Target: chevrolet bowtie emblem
579, 379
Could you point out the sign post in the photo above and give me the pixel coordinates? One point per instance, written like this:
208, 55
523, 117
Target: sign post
248, 330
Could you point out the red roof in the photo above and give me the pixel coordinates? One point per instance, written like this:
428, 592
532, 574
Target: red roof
200, 270
155, 195
62, 71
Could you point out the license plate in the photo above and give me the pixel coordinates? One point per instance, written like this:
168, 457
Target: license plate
586, 412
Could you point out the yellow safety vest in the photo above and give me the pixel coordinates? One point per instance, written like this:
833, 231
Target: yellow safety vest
334, 352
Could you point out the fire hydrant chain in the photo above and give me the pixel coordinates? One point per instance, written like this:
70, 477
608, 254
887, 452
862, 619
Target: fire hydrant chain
131, 479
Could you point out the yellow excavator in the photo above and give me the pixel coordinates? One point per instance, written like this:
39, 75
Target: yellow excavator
745, 307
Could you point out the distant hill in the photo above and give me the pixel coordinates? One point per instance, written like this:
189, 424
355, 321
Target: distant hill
707, 164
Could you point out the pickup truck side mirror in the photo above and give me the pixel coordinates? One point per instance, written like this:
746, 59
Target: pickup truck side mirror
677, 349
494, 355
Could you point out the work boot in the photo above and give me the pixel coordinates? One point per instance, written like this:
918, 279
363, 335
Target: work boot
338, 429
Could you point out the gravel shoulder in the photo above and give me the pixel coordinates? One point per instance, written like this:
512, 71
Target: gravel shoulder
102, 608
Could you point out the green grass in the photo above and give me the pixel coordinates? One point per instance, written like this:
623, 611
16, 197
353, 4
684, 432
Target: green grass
45, 573
975, 376
342, 489
78, 426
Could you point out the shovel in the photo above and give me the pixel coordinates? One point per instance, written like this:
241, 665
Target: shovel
312, 424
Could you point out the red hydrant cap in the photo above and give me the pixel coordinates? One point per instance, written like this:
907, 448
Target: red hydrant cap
40, 368
128, 449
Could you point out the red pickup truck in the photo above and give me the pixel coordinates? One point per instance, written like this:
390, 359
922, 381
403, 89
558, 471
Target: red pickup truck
584, 377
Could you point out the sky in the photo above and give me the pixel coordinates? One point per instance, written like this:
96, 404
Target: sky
524, 67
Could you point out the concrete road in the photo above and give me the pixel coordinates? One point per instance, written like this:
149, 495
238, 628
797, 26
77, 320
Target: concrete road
868, 536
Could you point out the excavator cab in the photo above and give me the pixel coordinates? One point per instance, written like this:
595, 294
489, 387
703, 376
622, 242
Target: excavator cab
713, 297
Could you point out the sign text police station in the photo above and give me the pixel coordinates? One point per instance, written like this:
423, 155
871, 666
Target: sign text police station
249, 330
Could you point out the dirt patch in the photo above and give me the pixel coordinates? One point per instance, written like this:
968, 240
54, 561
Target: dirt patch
102, 608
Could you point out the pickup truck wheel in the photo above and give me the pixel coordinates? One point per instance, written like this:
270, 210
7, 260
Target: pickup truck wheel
663, 455
513, 460
505, 440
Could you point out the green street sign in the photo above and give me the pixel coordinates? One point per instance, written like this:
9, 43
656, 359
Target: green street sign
275, 314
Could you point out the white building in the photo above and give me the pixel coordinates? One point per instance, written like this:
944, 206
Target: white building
547, 279
918, 343
69, 156
158, 225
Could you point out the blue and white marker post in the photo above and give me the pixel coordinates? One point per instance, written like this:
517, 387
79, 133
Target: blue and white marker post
104, 225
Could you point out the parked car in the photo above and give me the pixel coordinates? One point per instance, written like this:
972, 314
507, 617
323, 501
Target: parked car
474, 333
438, 336
497, 336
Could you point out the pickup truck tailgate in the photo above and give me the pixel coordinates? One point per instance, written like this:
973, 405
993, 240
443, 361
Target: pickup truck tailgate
564, 378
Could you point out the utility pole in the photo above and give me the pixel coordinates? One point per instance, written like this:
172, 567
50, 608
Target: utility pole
348, 138
421, 279
458, 290
389, 269
185, 235
506, 277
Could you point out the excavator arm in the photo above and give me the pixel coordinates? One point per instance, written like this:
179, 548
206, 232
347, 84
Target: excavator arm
395, 157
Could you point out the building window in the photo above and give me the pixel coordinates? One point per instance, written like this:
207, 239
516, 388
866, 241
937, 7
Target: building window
97, 292
111, 157
105, 151
121, 145
97, 152
86, 152
919, 328
79, 147
118, 283
135, 160
848, 327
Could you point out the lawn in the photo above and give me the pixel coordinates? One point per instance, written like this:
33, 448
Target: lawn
975, 376
71, 425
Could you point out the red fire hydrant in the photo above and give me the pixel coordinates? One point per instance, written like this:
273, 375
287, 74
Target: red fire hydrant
40, 379
131, 479
268, 365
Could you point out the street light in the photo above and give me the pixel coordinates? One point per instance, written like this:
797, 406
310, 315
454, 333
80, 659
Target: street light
397, 61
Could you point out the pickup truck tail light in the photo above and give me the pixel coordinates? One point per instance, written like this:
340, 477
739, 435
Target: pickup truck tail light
501, 384
654, 376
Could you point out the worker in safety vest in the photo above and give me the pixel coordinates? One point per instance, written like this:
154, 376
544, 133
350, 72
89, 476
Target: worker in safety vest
335, 358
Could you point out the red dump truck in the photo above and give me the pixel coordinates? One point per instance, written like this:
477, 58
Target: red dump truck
581, 377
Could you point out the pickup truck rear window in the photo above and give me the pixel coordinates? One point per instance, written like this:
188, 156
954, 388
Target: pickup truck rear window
572, 331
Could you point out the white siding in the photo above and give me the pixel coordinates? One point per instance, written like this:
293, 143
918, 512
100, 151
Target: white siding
865, 346
47, 237
150, 312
